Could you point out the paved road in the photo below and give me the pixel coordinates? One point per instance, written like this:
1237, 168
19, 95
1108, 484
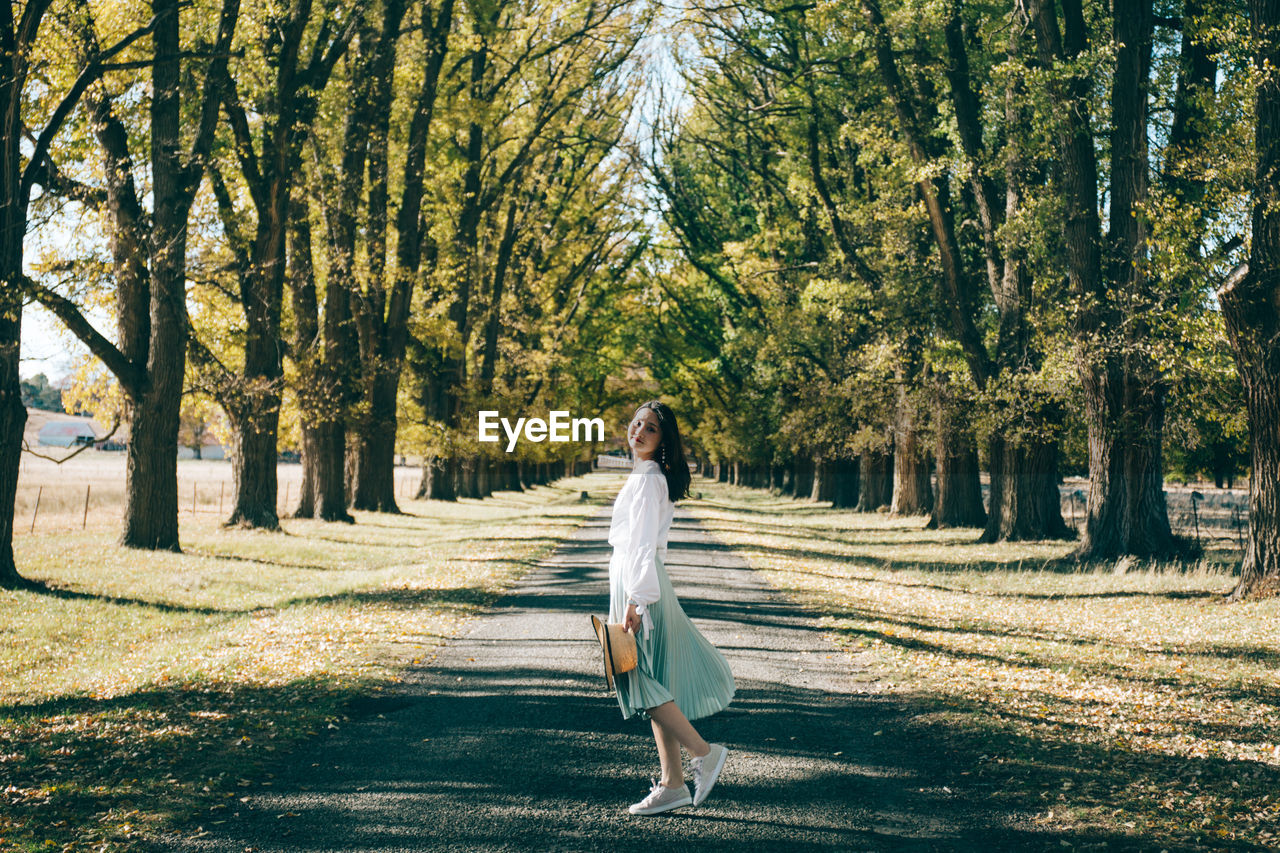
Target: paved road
509, 741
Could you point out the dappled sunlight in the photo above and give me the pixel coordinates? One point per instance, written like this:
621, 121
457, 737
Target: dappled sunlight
1136, 665
139, 683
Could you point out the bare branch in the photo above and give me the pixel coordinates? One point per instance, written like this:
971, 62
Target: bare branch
132, 377
115, 426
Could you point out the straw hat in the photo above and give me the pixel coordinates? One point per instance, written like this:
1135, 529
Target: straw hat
618, 646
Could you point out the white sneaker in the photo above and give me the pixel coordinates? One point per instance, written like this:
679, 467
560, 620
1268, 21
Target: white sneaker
706, 769
662, 799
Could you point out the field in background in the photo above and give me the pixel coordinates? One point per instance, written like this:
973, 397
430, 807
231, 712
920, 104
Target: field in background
204, 487
147, 687
1116, 706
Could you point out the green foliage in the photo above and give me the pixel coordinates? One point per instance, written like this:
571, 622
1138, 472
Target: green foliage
37, 393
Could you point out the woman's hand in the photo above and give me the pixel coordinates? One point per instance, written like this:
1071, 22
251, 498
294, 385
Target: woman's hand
633, 621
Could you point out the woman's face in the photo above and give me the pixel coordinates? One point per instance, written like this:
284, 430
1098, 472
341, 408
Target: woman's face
644, 435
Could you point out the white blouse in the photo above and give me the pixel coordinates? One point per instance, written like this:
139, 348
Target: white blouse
638, 533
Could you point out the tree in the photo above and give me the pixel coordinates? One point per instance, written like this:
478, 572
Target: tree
269, 152
149, 249
1123, 389
1250, 300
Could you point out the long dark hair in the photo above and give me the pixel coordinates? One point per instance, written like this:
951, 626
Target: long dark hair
670, 453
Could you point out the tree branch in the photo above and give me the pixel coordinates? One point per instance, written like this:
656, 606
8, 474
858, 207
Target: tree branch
92, 71
132, 377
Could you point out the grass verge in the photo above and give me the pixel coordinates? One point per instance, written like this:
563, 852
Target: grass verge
144, 689
1118, 706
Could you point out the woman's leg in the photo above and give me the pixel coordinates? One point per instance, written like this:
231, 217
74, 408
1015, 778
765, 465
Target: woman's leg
669, 755
673, 722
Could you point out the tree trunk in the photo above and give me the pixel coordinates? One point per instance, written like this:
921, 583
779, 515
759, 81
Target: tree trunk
875, 476
912, 478
332, 472
1250, 301
13, 415
1025, 501
844, 492
823, 480
803, 479
959, 488
151, 474
253, 464
309, 487
1251, 308
439, 479
468, 486
912, 488
375, 487
1124, 395
151, 477
321, 366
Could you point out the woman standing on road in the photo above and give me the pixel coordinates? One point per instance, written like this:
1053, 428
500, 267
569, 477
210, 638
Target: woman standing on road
679, 675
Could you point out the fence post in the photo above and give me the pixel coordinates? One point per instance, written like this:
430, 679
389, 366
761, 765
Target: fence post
1195, 515
36, 514
85, 520
222, 487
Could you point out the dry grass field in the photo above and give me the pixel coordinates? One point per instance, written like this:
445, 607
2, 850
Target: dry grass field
205, 487
144, 688
1118, 701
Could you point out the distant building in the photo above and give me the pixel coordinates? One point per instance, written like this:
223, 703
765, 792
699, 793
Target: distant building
66, 434
210, 448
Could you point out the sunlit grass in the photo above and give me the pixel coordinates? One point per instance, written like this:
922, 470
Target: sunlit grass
1116, 700
144, 687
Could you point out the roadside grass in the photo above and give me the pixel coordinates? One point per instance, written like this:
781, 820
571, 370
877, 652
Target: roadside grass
147, 689
1117, 706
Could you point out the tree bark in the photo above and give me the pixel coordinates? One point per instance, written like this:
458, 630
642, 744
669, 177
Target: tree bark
374, 487
1250, 301
912, 486
804, 475
13, 415
1026, 503
875, 477
322, 394
822, 480
844, 493
439, 479
14, 56
912, 481
1251, 308
253, 466
959, 488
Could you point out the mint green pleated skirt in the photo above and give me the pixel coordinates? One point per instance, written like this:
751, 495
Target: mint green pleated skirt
674, 661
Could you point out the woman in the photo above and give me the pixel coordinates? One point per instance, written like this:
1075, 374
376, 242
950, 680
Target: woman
679, 675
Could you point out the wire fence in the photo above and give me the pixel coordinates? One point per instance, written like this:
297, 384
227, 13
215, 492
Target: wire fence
88, 494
